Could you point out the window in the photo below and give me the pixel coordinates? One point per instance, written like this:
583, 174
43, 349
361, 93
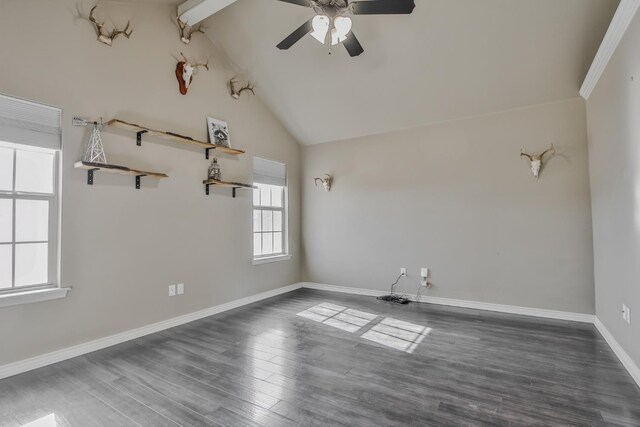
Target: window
29, 155
269, 209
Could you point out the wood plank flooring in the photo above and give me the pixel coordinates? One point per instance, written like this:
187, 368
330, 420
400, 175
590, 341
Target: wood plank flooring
319, 358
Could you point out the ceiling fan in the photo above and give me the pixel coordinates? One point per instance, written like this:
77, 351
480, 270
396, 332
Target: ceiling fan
330, 26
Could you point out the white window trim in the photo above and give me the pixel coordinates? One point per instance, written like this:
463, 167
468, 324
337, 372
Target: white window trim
31, 296
269, 259
55, 222
286, 255
53, 289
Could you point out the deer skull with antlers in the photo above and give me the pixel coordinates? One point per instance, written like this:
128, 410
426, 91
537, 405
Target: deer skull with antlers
185, 71
537, 162
235, 92
326, 182
103, 36
187, 31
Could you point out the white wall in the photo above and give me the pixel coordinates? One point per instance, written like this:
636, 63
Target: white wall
614, 155
122, 247
457, 198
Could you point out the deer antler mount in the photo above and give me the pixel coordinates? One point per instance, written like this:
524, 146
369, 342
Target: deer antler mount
105, 36
537, 161
187, 31
235, 92
326, 182
185, 71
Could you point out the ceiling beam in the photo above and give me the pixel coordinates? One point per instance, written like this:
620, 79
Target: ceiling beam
193, 11
619, 24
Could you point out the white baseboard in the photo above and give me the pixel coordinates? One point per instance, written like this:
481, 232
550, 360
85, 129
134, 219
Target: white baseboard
525, 311
628, 363
78, 350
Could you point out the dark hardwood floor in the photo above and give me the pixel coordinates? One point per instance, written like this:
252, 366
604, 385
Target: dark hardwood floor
319, 358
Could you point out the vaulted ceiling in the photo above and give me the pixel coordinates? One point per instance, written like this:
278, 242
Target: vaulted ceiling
449, 59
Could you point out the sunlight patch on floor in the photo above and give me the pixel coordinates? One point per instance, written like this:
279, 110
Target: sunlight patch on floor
47, 421
340, 317
398, 334
390, 332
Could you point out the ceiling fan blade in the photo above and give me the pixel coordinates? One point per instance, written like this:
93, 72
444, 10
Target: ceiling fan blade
352, 45
382, 7
306, 3
292, 38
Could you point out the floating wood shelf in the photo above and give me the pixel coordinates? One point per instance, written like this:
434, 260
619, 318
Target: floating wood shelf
121, 170
234, 185
170, 136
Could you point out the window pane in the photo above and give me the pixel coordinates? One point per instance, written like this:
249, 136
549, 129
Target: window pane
256, 197
6, 169
31, 264
267, 243
32, 220
276, 196
267, 221
277, 243
6, 220
257, 244
5, 266
34, 172
277, 221
265, 195
257, 220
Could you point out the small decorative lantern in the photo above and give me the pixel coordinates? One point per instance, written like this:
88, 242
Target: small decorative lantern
214, 170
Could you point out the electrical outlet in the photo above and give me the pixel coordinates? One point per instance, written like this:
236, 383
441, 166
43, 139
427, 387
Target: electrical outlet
172, 290
403, 271
180, 287
626, 314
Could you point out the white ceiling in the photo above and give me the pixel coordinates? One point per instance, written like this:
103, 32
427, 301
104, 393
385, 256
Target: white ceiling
449, 59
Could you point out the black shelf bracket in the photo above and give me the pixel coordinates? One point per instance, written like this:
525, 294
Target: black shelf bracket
138, 181
90, 176
206, 152
234, 191
206, 189
139, 137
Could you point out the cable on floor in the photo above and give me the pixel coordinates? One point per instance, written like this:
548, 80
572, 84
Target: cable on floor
393, 297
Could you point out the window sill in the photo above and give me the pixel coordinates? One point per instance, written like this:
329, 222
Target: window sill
267, 260
28, 297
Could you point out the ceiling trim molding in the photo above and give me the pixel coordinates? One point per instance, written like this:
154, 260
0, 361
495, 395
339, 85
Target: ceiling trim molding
619, 24
193, 11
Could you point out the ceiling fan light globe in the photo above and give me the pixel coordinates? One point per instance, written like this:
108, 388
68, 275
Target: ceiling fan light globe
341, 29
320, 24
343, 25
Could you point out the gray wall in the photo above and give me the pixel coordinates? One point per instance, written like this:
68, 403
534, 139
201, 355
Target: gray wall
122, 247
614, 155
457, 198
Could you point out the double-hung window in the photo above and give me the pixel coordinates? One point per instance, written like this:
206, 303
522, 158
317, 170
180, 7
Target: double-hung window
30, 143
269, 210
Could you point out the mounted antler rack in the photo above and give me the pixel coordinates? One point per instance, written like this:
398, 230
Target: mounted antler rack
235, 92
187, 31
106, 37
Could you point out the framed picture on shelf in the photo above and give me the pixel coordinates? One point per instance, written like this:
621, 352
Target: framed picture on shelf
218, 132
